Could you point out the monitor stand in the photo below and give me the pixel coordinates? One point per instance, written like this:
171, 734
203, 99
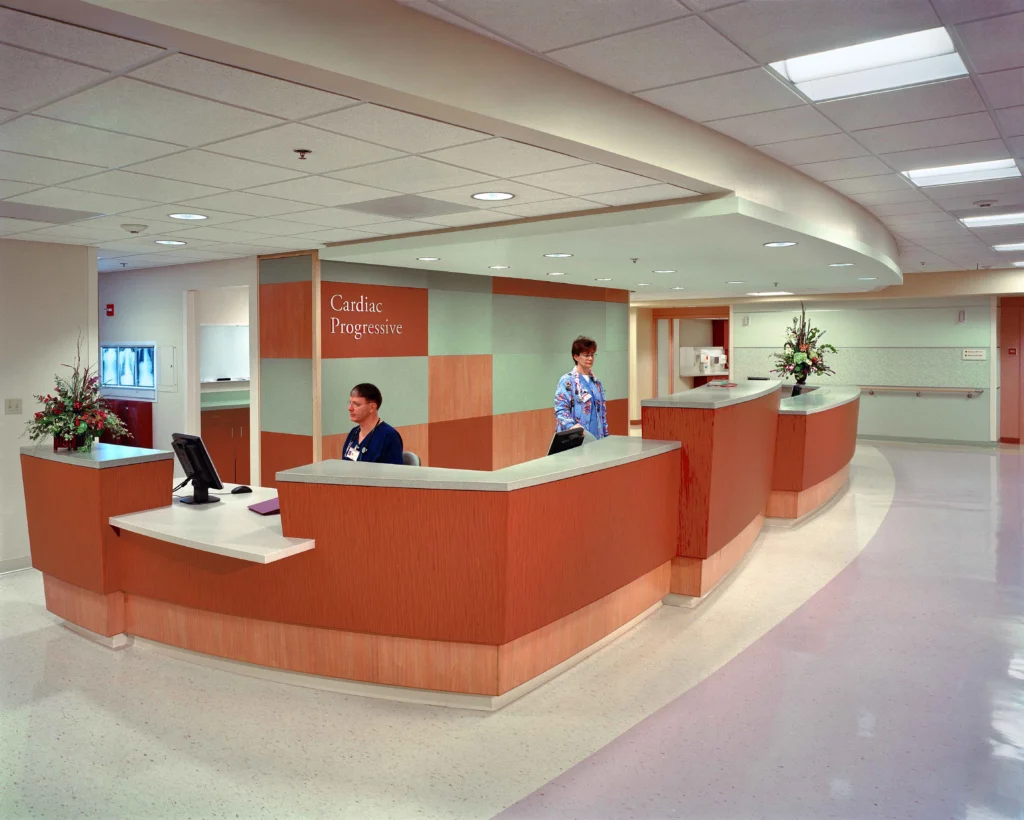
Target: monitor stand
200, 494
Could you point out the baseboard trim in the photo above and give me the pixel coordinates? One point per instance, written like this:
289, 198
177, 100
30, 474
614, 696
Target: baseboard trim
15, 564
984, 445
118, 641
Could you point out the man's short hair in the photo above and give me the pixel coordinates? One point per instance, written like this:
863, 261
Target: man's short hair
369, 392
583, 344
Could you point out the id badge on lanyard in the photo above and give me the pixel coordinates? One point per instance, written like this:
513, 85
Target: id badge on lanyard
352, 453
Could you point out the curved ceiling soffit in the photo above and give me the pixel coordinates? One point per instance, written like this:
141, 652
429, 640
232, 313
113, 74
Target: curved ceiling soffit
382, 52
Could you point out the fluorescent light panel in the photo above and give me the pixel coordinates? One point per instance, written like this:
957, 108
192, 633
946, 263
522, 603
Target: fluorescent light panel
770, 293
1016, 246
970, 172
993, 220
1018, 264
895, 62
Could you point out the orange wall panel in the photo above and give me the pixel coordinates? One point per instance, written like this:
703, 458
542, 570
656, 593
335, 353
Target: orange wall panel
522, 436
397, 318
618, 417
1011, 409
556, 290
460, 387
812, 448
464, 444
286, 320
282, 451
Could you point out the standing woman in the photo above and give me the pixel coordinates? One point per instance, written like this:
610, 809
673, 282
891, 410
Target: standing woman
579, 399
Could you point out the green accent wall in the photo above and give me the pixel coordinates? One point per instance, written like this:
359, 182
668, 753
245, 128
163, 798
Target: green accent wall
402, 381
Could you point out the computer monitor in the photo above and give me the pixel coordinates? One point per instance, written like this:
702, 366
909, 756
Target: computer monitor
198, 467
566, 440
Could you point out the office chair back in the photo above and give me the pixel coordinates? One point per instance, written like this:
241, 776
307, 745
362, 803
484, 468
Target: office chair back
411, 459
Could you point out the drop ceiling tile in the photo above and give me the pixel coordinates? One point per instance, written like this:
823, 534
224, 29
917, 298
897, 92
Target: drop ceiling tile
81, 201
995, 44
1011, 120
646, 193
413, 175
551, 207
844, 168
269, 225
504, 158
248, 204
465, 218
705, 5
585, 180
146, 243
337, 235
71, 42
32, 79
322, 191
132, 107
244, 249
107, 224
61, 140
235, 86
320, 218
937, 231
896, 222
330, 152
947, 155
140, 186
1001, 234
929, 133
776, 126
542, 25
160, 214
51, 239
1016, 146
992, 189
428, 7
1004, 88
9, 188
815, 149
870, 185
83, 231
791, 28
464, 195
395, 129
728, 95
886, 197
402, 226
966, 204
219, 234
903, 208
18, 226
660, 55
924, 102
204, 168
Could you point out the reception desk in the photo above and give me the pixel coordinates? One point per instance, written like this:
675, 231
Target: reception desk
465, 583
817, 436
728, 438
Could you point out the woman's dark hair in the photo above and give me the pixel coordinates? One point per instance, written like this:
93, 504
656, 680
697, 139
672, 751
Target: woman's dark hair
583, 344
369, 392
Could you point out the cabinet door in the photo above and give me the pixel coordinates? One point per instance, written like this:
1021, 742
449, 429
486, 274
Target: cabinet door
219, 438
241, 427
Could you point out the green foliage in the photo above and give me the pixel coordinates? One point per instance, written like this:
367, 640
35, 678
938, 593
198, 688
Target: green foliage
803, 354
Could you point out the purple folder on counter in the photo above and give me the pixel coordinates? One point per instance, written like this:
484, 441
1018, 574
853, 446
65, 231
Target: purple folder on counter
271, 507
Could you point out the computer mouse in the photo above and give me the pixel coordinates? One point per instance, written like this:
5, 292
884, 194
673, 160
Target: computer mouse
241, 488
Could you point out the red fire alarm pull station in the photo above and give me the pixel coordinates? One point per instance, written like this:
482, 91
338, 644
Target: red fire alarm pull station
110, 310
1013, 351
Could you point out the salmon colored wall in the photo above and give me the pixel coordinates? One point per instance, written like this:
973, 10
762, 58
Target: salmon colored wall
283, 451
460, 387
400, 306
286, 320
556, 290
520, 437
1011, 369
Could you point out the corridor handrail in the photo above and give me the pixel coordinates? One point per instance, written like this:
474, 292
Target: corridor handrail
872, 389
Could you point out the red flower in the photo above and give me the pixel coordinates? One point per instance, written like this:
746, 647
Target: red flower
78, 405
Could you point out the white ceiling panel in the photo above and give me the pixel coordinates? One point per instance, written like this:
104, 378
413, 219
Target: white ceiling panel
966, 204
897, 222
995, 44
1003, 234
330, 152
924, 102
929, 133
113, 224
870, 185
125, 183
322, 191
1016, 146
428, 7
543, 25
665, 54
67, 141
465, 218
9, 188
81, 201
791, 28
204, 168
815, 149
18, 226
160, 214
586, 179
269, 225
336, 235
84, 231
43, 236
978, 190
645, 193
947, 155
844, 168
31, 79
504, 158
320, 218
395, 129
728, 95
776, 126
248, 204
143, 110
551, 207
1004, 88
962, 11
402, 226
243, 249
902, 208
413, 175
886, 197
219, 234
71, 42
1011, 120
246, 89
464, 195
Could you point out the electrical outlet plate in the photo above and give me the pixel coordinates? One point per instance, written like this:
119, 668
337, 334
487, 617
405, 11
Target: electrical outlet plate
12, 407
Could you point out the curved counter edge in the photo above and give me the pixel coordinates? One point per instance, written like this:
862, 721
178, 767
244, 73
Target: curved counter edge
715, 398
99, 457
824, 398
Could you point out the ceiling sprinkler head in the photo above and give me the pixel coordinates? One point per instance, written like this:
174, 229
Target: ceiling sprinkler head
302, 152
133, 228
985, 203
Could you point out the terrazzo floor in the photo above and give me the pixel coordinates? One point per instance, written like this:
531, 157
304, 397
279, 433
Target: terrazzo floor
868, 663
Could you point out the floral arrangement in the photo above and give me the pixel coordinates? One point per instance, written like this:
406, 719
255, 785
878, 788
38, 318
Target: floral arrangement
75, 415
804, 352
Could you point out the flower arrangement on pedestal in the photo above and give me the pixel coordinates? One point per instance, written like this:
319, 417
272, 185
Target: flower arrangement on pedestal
75, 415
804, 352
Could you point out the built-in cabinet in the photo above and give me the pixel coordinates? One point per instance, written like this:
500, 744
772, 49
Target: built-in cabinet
226, 436
137, 417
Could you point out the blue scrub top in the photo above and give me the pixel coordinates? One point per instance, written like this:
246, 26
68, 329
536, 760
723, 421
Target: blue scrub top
383, 445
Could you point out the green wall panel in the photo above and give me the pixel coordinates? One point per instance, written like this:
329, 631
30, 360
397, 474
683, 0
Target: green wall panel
527, 381
530, 324
373, 275
616, 327
612, 368
286, 396
286, 269
402, 382
459, 322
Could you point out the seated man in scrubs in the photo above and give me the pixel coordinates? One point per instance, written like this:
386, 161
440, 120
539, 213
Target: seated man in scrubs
579, 397
372, 439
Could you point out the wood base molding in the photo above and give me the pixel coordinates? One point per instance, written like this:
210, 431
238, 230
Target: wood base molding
99, 613
697, 577
785, 504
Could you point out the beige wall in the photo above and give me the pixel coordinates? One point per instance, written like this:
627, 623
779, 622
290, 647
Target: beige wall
641, 358
224, 306
47, 299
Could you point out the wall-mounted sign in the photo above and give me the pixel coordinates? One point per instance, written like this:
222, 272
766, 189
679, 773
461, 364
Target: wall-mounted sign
365, 321
975, 354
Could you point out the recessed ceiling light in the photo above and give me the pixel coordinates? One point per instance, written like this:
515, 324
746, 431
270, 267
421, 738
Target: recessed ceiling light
779, 244
428, 258
169, 242
663, 271
735, 283
499, 267
678, 288
558, 255
1016, 246
994, 219
556, 273
493, 196
770, 293
187, 216
866, 278
1018, 264
969, 172
643, 284
841, 265
602, 280
895, 62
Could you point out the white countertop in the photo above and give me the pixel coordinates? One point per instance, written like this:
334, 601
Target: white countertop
225, 528
99, 457
819, 400
599, 455
714, 398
